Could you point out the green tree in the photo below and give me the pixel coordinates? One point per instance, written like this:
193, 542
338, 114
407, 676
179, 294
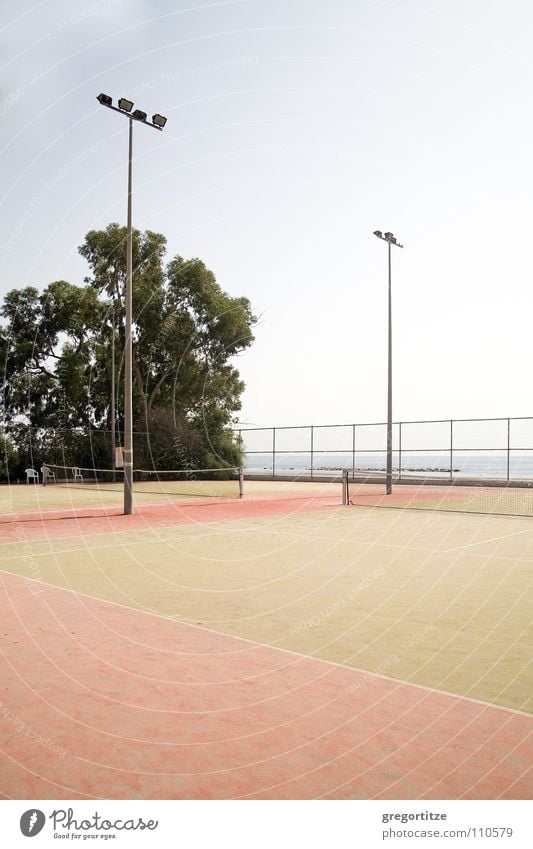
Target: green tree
55, 352
48, 345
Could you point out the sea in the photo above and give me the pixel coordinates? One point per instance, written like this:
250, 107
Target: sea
464, 464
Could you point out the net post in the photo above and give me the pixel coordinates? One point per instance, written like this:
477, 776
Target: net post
345, 487
241, 482
399, 450
508, 449
451, 449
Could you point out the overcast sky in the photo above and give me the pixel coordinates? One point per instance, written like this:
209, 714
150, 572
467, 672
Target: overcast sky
295, 129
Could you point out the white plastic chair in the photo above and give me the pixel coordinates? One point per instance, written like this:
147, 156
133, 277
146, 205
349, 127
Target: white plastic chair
76, 472
32, 475
48, 474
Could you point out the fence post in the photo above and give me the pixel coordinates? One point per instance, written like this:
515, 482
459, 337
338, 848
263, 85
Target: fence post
508, 449
451, 449
353, 451
312, 441
273, 452
399, 450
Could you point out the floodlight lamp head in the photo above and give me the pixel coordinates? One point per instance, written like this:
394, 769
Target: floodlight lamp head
378, 233
104, 99
125, 104
159, 120
389, 237
139, 115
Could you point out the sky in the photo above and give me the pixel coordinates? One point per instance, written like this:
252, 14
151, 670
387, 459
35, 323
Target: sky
295, 129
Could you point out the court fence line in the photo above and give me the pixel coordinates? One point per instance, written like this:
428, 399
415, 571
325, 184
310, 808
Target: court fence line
458, 440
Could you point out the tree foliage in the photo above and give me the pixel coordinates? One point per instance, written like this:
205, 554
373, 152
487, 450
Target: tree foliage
55, 349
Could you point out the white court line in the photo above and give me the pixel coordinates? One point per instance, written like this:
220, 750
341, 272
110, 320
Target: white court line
299, 655
491, 539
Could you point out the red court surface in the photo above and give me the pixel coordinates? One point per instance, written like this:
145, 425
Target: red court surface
83, 521
102, 701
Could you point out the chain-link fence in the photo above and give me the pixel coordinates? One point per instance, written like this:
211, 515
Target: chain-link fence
24, 446
499, 449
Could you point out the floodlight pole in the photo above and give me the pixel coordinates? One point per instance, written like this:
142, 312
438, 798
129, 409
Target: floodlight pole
388, 483
391, 240
113, 399
158, 122
128, 389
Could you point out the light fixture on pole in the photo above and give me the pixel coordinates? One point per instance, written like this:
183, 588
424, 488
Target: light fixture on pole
391, 240
124, 108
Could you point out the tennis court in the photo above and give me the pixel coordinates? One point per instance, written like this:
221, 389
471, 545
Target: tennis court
475, 496
279, 645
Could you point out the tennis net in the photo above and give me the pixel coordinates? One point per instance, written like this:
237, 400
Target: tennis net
465, 495
224, 482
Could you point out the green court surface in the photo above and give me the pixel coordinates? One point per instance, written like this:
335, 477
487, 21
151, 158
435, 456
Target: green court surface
23, 497
437, 599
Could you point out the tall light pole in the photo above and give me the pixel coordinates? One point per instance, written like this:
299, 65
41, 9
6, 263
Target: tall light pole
125, 107
391, 240
113, 400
